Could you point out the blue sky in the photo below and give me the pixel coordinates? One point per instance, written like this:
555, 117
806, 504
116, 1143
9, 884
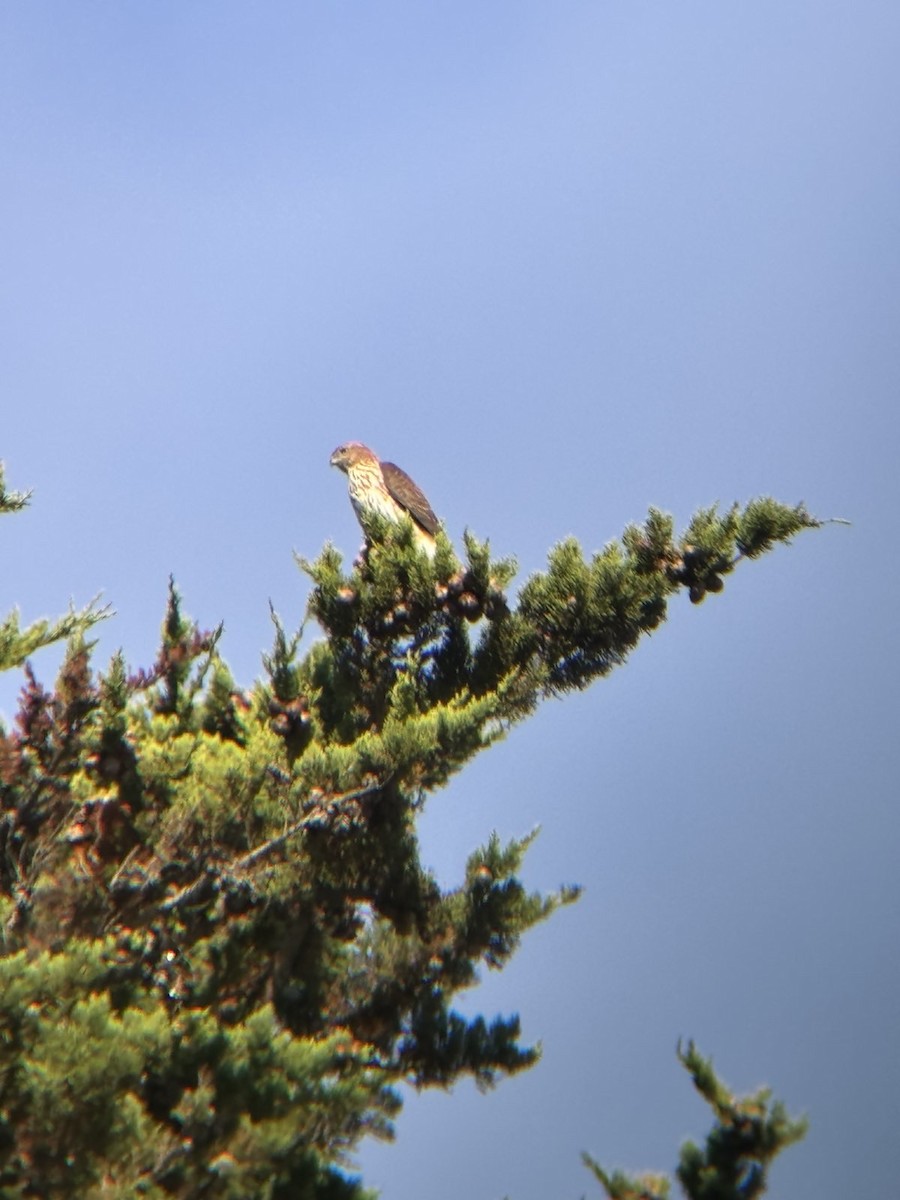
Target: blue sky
559, 262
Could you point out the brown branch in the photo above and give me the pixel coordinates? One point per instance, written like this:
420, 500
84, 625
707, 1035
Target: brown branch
323, 806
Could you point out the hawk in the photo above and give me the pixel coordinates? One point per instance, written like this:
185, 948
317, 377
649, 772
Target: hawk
382, 489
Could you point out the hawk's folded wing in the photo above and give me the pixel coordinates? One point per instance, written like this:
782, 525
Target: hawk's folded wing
409, 496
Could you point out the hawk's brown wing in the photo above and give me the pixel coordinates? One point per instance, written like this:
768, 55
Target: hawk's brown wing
409, 497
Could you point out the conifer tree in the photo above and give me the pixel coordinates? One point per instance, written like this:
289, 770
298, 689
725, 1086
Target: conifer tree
746, 1136
221, 953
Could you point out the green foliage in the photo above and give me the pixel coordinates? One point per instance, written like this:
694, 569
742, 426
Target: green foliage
11, 501
733, 1165
16, 644
221, 953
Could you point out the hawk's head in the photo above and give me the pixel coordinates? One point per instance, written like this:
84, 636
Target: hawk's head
351, 454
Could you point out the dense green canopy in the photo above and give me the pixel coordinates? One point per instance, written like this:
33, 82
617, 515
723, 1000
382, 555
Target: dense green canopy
221, 951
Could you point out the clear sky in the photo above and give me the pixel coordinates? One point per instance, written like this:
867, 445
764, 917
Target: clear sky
559, 261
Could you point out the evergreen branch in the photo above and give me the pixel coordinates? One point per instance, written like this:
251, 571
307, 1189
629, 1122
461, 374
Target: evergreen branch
11, 501
749, 1132
620, 1186
324, 807
123, 867
17, 644
583, 616
191, 891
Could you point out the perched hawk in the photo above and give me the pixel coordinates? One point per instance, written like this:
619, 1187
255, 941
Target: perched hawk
381, 488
